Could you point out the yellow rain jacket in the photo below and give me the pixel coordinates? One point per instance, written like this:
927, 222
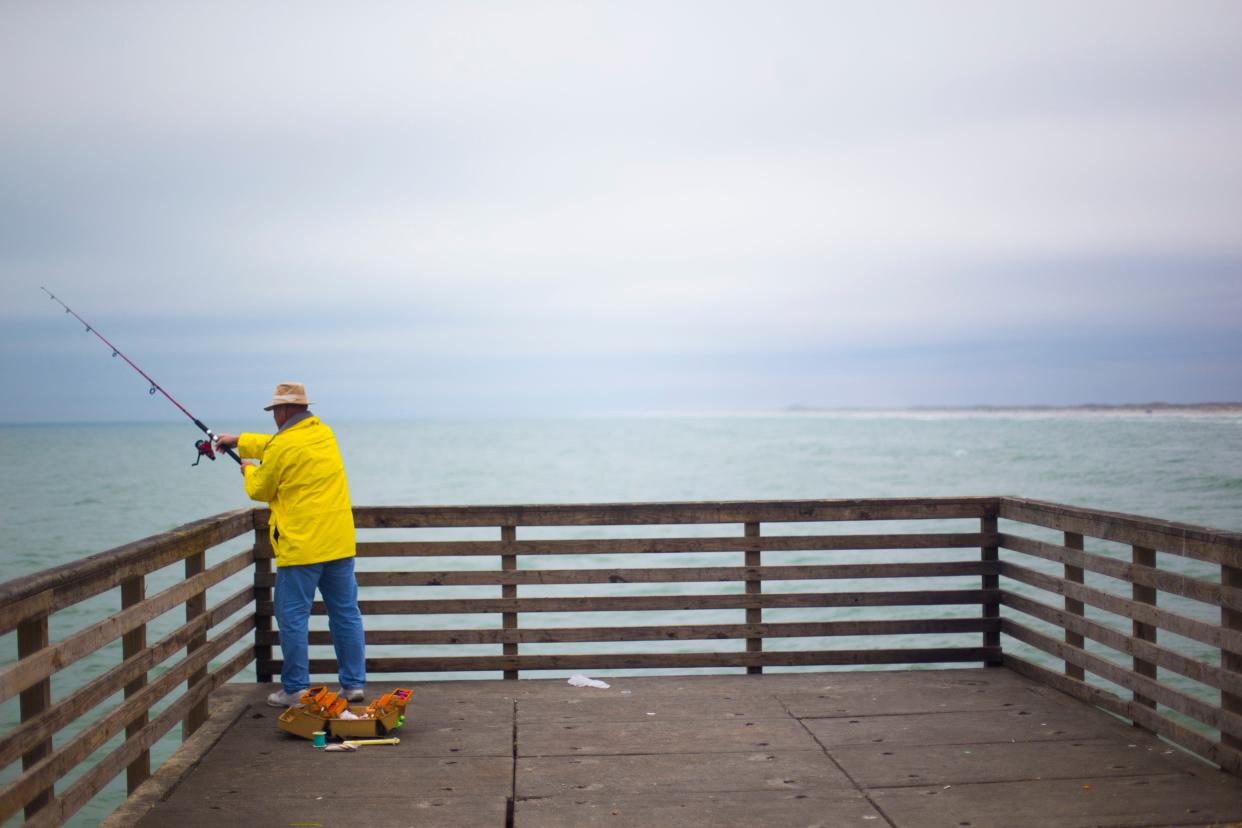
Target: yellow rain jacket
302, 478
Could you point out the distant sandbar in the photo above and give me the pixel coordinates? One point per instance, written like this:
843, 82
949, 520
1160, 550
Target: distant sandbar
1121, 408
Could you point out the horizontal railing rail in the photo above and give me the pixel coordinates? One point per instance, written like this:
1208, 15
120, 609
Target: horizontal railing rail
1139, 616
638, 514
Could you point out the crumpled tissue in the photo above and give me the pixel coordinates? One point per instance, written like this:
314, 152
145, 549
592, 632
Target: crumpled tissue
579, 680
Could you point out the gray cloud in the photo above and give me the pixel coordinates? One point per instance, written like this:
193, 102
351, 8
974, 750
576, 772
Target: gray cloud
688, 186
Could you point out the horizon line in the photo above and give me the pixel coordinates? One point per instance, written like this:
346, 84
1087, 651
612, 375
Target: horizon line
797, 408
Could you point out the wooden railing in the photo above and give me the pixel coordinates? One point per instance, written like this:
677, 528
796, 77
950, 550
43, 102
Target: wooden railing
732, 585
28, 606
1193, 598
682, 588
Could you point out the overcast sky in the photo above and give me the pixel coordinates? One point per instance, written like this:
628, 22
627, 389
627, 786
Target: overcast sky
584, 207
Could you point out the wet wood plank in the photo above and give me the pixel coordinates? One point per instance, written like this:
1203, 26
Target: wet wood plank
1067, 803
670, 774
745, 809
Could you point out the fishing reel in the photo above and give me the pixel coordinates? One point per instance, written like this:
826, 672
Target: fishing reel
204, 450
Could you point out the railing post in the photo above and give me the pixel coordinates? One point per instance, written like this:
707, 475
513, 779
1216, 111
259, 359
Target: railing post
509, 620
1231, 619
134, 592
990, 553
32, 636
195, 607
262, 595
1142, 556
754, 586
1074, 575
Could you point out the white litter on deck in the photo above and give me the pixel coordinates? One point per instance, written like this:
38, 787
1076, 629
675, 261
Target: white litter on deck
579, 680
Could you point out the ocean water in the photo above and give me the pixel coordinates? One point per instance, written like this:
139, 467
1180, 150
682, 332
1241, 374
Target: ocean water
74, 490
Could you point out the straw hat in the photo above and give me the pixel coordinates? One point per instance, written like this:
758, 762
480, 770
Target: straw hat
288, 393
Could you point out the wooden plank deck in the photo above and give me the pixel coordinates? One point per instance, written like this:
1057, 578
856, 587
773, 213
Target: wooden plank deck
969, 747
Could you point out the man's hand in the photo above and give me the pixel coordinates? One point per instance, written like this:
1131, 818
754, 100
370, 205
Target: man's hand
226, 441
245, 463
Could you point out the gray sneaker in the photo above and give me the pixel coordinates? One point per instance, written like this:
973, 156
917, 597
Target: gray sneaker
352, 694
282, 699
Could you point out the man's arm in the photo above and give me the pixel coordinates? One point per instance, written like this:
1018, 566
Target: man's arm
247, 445
262, 480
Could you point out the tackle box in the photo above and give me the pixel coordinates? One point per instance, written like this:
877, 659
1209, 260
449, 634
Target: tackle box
321, 710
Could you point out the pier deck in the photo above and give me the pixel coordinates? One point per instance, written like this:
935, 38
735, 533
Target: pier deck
966, 747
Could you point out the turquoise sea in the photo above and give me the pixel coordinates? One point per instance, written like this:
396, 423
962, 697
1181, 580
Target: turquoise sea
72, 490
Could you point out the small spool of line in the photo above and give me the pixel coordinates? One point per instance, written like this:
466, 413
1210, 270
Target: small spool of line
321, 738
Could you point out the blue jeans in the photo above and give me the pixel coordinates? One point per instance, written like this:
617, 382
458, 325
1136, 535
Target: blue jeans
295, 590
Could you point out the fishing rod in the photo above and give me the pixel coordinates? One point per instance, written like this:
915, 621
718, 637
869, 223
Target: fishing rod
205, 447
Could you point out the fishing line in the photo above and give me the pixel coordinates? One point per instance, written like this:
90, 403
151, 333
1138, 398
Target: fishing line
204, 447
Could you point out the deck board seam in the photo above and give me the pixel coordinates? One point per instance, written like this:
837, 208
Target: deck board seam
1075, 740
911, 714
664, 753
1074, 778
866, 793
511, 805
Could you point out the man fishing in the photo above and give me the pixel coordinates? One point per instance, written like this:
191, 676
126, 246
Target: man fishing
301, 476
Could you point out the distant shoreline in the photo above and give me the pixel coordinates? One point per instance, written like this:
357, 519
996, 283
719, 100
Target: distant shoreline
1128, 408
